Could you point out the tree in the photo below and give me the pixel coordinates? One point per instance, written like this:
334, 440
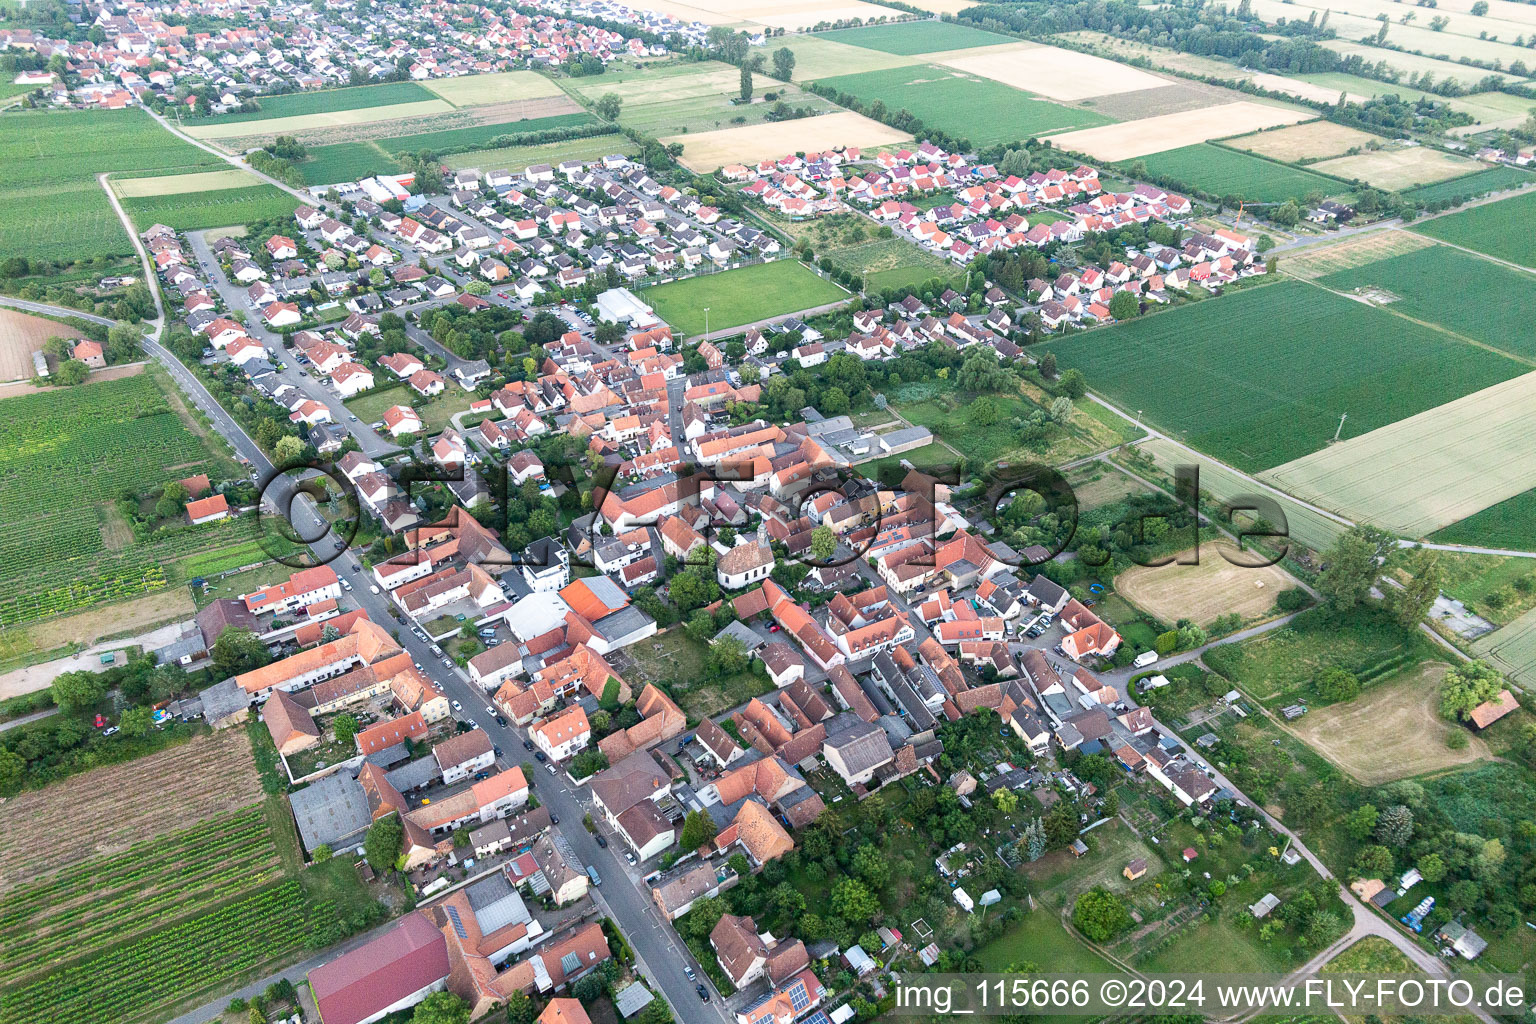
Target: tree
1361, 822
386, 838
1073, 384
12, 767
519, 1008
1353, 566
727, 656
1006, 800
1432, 867
608, 106
1337, 685
441, 1008
853, 902
698, 830
1048, 365
784, 62
1464, 688
1373, 862
1124, 306
823, 543
870, 865
69, 373
1394, 827
1410, 602
345, 727
237, 651
136, 721
1099, 914
1480, 8
78, 692
746, 84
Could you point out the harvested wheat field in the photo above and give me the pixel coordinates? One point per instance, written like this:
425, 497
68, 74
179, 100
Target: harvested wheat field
1391, 731
706, 151
109, 809
1132, 139
314, 122
1301, 90
1428, 471
1399, 167
1355, 252
180, 184
1313, 140
791, 15
502, 87
1207, 591
20, 336
1053, 72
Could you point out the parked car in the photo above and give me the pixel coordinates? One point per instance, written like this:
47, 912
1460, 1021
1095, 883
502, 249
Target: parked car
688, 972
113, 731
702, 991
602, 840
551, 768
457, 706
527, 744
501, 720
538, 755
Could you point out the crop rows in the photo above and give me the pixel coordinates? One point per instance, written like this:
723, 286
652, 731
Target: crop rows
173, 963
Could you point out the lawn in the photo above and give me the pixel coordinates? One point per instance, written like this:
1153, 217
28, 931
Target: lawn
948, 416
1509, 524
1219, 171
194, 211
346, 161
952, 102
1278, 667
1504, 228
436, 412
1468, 186
1261, 376
907, 38
1040, 939
481, 134
676, 664
517, 157
1487, 311
52, 207
888, 468
742, 296
895, 263
325, 101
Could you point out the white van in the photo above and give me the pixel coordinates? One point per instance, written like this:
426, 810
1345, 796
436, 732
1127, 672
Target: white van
1145, 658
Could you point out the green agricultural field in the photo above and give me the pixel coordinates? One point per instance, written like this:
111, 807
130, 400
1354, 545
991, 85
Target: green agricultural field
594, 147
742, 296
953, 102
1509, 524
1470, 186
913, 37
1512, 649
481, 134
194, 211
346, 161
52, 207
1261, 376
326, 101
1504, 228
1486, 310
1225, 172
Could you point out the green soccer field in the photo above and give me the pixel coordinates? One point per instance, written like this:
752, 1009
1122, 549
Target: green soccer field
1505, 229
1224, 172
1259, 377
739, 297
913, 37
978, 109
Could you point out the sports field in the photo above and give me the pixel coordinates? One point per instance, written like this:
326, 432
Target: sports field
1399, 167
915, 37
705, 151
473, 90
1261, 376
1065, 75
741, 296
1174, 131
1391, 731
1428, 471
194, 211
51, 206
324, 101
1491, 308
1509, 524
1225, 172
1504, 228
175, 184
1313, 140
950, 100
1494, 179
1208, 590
1512, 649
346, 161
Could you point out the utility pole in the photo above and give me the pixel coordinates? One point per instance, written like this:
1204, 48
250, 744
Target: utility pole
1336, 433
706, 323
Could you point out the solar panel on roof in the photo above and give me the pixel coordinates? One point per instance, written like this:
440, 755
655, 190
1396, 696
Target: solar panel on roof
458, 926
799, 998
570, 964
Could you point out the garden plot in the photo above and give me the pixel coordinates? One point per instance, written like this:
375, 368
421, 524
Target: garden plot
1313, 140
1208, 590
1430, 470
706, 151
1051, 71
1172, 131
1399, 167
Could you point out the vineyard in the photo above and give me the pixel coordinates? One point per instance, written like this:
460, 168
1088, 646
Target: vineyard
102, 901
182, 960
63, 457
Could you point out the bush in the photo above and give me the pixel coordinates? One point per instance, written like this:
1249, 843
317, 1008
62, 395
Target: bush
1293, 599
1166, 643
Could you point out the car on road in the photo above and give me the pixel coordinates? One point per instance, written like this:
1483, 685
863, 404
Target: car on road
447, 663
527, 744
551, 768
554, 819
602, 840
501, 720
457, 706
687, 972
702, 991
374, 589
344, 584
490, 710
538, 755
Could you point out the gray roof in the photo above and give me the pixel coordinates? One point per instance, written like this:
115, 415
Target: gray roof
496, 904
222, 700
748, 637
418, 773
331, 811
861, 745
632, 999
